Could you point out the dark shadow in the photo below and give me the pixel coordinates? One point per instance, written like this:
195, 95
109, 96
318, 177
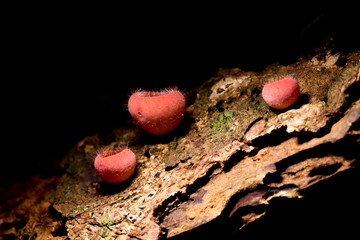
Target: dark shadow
107, 188
303, 99
55, 214
60, 231
233, 160
325, 170
162, 210
275, 138
16, 224
181, 130
307, 136
353, 94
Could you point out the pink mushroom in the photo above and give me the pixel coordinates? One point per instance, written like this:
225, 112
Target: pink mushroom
157, 112
282, 93
115, 165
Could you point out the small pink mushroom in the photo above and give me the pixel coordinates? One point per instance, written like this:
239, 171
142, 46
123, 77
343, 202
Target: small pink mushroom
115, 165
282, 93
157, 112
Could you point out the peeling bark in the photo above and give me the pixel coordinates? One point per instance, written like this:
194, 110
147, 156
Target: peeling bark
227, 160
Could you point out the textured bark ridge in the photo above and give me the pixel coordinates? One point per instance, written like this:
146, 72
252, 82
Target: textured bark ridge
227, 160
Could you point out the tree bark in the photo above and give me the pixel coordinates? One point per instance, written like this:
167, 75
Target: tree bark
226, 163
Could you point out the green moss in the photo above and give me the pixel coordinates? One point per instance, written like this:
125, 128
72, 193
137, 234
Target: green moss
64, 190
106, 220
173, 145
156, 151
103, 233
221, 125
202, 103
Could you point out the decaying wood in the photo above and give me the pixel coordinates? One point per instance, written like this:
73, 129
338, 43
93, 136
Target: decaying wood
230, 152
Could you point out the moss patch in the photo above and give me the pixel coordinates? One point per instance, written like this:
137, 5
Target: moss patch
220, 126
106, 220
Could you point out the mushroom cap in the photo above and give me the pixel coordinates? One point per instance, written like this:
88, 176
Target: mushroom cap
282, 93
115, 166
157, 112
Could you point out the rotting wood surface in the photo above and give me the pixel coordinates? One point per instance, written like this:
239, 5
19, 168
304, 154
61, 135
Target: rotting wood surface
231, 151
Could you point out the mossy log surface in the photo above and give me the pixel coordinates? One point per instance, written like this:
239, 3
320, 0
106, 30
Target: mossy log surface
229, 158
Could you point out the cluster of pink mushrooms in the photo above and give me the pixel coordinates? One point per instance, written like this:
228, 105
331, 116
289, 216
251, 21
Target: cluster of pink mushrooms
160, 112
